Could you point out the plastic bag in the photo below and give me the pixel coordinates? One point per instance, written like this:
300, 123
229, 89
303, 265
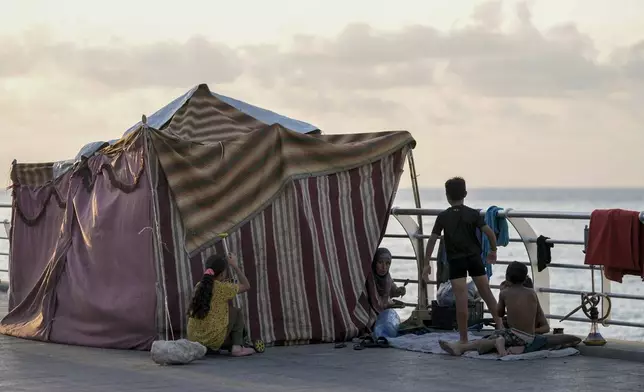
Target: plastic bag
445, 294
387, 324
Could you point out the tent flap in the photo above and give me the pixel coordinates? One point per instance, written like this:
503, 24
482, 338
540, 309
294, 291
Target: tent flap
306, 255
219, 186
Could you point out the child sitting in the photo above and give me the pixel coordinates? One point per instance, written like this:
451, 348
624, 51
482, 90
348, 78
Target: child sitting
212, 321
524, 317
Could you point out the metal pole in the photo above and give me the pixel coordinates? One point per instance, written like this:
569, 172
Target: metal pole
507, 214
420, 262
157, 228
224, 242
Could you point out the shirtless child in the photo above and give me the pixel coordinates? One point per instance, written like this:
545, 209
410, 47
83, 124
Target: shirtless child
541, 325
523, 311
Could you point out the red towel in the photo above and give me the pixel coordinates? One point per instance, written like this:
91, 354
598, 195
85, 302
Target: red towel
616, 241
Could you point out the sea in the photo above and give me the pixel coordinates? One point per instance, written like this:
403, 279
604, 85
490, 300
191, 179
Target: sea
538, 199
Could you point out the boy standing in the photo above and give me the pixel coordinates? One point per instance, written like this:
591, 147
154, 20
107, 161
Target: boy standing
459, 223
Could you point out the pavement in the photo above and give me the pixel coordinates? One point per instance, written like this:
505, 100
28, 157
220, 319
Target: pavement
34, 366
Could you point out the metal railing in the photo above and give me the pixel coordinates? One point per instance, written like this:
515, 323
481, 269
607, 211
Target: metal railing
528, 238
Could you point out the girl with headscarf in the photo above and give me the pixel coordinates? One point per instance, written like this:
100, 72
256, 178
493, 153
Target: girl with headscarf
380, 286
212, 321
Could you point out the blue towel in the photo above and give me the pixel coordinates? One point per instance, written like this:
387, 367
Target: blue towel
500, 227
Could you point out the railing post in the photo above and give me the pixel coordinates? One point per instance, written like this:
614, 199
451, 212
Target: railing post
605, 283
424, 295
540, 279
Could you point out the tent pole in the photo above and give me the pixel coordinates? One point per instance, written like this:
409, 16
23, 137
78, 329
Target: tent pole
420, 261
157, 230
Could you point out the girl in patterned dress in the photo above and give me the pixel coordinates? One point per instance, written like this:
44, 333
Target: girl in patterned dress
213, 321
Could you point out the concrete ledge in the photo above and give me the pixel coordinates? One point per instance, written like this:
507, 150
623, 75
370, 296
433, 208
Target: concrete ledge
615, 349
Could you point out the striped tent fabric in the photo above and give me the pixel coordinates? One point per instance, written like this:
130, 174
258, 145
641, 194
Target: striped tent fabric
307, 254
39, 174
32, 174
206, 119
219, 186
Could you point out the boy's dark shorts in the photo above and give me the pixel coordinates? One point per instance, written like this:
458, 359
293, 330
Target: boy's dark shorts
461, 267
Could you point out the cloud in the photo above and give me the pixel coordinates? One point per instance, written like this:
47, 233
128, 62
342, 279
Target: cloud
121, 66
634, 61
500, 102
520, 62
523, 62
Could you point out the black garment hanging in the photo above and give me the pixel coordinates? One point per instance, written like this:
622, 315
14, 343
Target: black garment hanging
543, 252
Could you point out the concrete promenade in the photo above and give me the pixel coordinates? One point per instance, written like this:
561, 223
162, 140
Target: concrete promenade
47, 367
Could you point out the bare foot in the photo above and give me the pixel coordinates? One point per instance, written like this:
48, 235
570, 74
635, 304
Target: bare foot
239, 351
451, 348
500, 347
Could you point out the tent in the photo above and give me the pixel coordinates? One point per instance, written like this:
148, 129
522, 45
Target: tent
106, 250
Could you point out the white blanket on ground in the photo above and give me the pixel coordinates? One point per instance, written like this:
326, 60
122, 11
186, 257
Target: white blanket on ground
428, 343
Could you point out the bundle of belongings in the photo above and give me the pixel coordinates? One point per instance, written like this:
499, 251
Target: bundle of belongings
176, 352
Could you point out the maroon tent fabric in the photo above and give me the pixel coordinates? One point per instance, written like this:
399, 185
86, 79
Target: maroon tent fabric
39, 213
106, 294
98, 287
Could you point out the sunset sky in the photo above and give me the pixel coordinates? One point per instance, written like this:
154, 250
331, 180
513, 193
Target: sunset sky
504, 93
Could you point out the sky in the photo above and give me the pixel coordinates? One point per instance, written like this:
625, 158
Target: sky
541, 93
